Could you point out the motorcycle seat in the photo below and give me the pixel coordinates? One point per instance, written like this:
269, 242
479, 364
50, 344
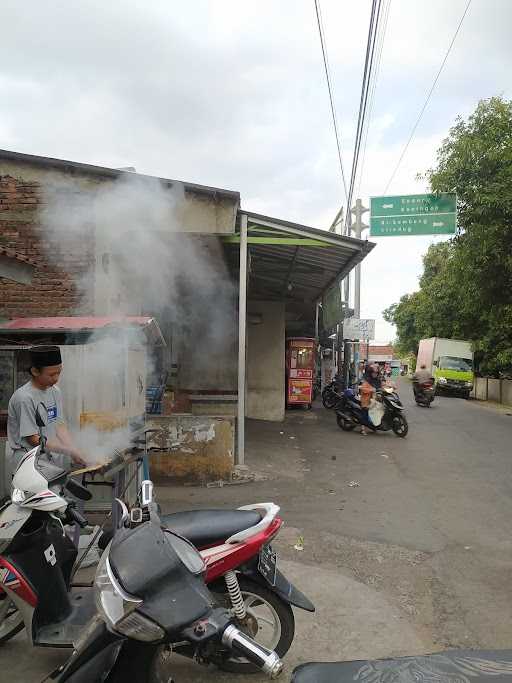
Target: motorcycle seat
473, 666
207, 527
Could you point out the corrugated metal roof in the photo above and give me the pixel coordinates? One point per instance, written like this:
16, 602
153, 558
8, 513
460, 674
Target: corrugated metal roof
301, 266
54, 324
91, 169
62, 324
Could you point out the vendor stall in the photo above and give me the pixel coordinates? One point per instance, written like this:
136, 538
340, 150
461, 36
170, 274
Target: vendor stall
105, 362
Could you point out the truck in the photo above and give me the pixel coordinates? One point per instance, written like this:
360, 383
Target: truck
451, 363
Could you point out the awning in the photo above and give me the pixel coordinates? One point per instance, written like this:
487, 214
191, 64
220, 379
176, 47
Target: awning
73, 325
294, 262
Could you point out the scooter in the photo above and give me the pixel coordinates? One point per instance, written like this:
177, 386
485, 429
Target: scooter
36, 553
349, 413
151, 598
453, 666
241, 570
36, 561
424, 393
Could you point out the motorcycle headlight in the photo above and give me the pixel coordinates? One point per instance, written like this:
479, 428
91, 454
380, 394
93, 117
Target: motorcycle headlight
469, 385
118, 608
442, 380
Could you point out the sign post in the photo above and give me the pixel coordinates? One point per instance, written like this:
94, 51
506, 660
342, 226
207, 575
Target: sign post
413, 214
359, 328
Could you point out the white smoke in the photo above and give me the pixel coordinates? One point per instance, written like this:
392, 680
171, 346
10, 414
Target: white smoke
144, 264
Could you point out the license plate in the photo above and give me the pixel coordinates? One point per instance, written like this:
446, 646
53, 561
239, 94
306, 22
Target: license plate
267, 564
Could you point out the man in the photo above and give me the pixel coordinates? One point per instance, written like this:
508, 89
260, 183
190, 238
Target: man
420, 377
41, 395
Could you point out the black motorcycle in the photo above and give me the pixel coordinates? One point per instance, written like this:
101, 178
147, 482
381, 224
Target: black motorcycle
150, 597
332, 393
349, 413
453, 666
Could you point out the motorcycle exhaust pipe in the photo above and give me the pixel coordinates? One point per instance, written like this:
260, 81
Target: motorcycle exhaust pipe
245, 646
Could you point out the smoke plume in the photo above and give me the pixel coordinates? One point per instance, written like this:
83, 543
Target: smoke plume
144, 264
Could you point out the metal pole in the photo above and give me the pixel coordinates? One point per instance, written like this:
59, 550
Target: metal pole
358, 229
242, 322
359, 226
317, 321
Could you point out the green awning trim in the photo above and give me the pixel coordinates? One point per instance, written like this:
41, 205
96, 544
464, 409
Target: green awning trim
284, 241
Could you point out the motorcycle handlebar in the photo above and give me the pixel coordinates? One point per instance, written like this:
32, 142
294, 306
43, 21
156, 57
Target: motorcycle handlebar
77, 517
78, 490
266, 660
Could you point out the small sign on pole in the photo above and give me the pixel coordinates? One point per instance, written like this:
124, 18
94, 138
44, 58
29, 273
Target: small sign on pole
413, 214
359, 328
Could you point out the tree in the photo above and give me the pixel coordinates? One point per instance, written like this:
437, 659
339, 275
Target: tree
466, 286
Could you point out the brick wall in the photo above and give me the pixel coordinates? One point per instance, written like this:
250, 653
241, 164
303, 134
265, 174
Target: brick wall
62, 283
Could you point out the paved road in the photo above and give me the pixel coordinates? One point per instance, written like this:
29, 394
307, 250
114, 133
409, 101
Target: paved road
417, 557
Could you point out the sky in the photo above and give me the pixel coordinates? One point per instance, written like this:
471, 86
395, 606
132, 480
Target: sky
232, 94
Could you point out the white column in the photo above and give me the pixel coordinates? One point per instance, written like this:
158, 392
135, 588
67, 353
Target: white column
242, 320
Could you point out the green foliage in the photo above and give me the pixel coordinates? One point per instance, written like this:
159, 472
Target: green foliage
466, 286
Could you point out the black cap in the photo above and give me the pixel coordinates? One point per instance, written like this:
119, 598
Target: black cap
45, 356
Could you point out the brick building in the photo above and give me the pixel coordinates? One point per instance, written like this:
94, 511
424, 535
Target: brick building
54, 289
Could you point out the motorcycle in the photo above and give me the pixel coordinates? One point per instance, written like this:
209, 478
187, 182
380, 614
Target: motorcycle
349, 413
148, 609
332, 393
461, 666
149, 587
35, 553
424, 393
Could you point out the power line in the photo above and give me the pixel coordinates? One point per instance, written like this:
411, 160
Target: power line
365, 87
427, 100
330, 89
380, 45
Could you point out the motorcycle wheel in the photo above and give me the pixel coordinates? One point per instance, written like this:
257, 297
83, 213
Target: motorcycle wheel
11, 620
344, 424
400, 426
328, 399
270, 623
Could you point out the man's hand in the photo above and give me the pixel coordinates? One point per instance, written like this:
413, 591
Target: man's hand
77, 456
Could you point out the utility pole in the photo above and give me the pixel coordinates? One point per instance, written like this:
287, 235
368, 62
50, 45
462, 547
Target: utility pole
358, 228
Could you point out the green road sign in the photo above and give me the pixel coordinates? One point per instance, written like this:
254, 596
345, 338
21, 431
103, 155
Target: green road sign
414, 214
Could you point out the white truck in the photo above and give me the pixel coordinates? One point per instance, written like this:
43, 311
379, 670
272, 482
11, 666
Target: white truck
451, 363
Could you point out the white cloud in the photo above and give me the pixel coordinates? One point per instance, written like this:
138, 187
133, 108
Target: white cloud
233, 94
